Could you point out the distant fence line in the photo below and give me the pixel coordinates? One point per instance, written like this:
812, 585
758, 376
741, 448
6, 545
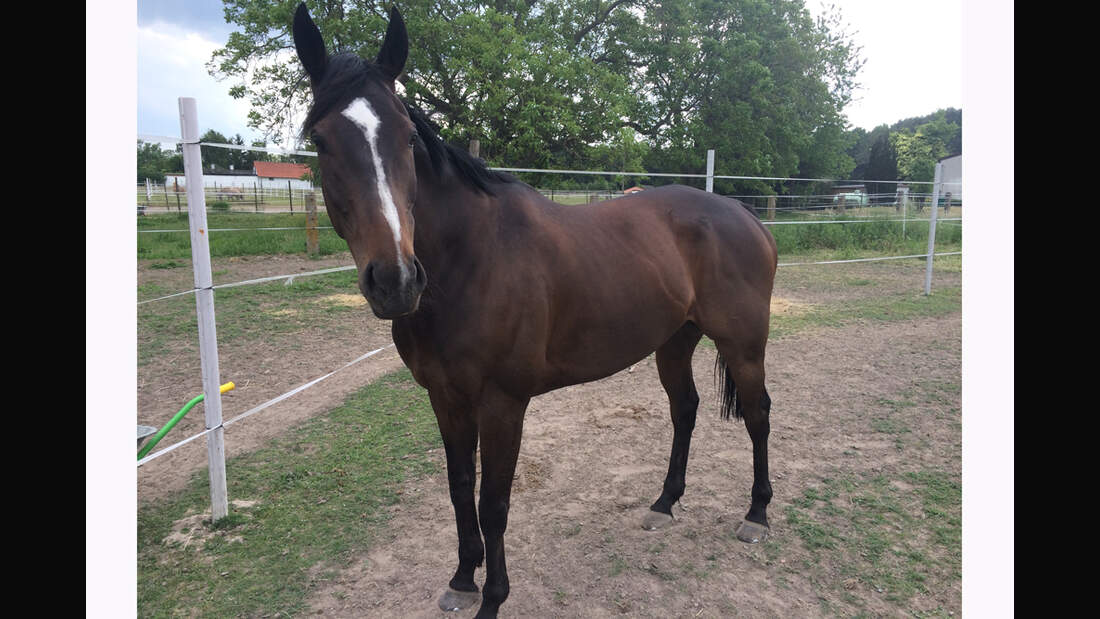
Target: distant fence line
174, 197
257, 199
709, 176
261, 197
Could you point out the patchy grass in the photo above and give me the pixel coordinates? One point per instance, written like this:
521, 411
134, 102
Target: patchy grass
886, 308
318, 495
242, 235
256, 312
171, 264
886, 536
898, 307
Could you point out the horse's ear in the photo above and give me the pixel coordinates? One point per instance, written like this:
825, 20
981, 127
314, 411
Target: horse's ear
395, 47
308, 42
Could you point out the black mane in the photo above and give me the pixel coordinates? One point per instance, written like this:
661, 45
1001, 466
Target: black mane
470, 169
347, 74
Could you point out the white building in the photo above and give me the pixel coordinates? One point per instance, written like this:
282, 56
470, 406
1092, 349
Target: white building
951, 175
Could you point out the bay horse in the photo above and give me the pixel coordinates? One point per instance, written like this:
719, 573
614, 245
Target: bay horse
497, 294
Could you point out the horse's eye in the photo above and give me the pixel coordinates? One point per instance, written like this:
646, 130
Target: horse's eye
412, 139
318, 142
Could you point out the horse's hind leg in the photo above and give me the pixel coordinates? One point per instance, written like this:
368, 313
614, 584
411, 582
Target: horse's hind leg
674, 368
742, 376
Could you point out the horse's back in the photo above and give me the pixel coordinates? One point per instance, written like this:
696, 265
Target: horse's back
726, 256
702, 224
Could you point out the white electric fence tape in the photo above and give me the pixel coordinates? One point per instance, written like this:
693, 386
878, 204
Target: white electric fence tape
261, 407
239, 229
799, 264
277, 151
847, 221
256, 281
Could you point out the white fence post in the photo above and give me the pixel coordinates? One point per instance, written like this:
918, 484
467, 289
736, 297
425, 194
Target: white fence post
710, 170
932, 230
204, 302
903, 201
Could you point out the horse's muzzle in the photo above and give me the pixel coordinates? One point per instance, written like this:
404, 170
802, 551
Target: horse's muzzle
392, 289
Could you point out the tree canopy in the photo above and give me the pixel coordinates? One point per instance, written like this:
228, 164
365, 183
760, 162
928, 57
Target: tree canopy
908, 149
557, 83
153, 162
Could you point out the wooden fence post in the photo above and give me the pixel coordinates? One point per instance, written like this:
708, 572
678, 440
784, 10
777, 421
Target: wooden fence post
290, 195
313, 246
771, 208
475, 147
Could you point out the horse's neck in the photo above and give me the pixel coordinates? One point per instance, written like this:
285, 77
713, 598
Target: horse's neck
450, 221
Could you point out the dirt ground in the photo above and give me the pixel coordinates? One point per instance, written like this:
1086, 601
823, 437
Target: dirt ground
593, 459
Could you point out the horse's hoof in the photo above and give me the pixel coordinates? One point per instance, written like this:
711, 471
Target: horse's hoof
752, 532
452, 600
656, 520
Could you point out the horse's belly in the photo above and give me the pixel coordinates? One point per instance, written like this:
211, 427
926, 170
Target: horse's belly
587, 350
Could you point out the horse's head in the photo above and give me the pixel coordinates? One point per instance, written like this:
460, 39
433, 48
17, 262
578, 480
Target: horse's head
365, 139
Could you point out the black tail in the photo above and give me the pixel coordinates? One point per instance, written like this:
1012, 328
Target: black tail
728, 401
728, 398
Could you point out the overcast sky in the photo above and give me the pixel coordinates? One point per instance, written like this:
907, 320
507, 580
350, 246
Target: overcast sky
912, 49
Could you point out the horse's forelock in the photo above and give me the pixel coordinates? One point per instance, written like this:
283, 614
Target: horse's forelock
344, 78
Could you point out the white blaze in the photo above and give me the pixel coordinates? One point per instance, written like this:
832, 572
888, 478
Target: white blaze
361, 113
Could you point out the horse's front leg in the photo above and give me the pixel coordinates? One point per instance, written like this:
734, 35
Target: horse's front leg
459, 431
500, 425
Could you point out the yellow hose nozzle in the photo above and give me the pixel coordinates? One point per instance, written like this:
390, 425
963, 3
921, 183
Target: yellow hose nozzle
227, 387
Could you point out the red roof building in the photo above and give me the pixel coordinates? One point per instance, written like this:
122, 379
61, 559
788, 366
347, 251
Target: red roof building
273, 170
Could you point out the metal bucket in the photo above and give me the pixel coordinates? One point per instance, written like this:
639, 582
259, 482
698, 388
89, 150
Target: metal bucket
144, 432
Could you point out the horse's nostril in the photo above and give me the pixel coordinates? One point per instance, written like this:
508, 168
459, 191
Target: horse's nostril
366, 281
421, 276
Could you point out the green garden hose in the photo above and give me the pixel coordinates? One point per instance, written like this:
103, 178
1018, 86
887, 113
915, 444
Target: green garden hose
183, 411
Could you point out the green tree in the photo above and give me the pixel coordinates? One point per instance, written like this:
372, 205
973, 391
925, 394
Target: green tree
760, 82
882, 161
551, 83
917, 151
907, 149
212, 155
916, 157
240, 159
504, 72
625, 152
153, 162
